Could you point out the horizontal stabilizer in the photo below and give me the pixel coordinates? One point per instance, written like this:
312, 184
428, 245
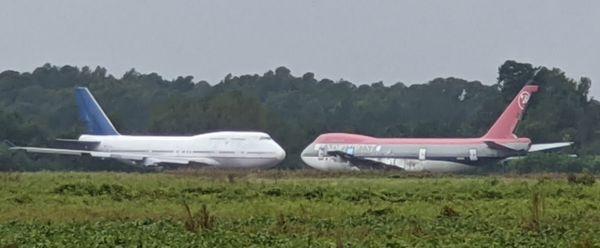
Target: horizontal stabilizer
548, 146
8, 143
497, 146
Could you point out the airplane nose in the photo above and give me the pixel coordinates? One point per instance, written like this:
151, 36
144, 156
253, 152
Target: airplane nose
304, 153
280, 154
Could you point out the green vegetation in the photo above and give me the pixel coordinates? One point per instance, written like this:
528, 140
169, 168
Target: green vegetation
296, 209
38, 106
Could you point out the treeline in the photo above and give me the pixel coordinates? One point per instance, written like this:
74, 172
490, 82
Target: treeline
38, 106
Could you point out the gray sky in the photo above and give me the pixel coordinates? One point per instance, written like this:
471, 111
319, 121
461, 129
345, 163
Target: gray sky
360, 41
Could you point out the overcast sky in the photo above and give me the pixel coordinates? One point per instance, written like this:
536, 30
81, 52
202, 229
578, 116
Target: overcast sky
360, 41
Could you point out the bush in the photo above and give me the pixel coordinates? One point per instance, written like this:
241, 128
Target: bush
115, 191
551, 162
585, 179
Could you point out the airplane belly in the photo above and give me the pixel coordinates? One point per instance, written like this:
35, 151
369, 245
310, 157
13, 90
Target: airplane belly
416, 165
246, 163
435, 166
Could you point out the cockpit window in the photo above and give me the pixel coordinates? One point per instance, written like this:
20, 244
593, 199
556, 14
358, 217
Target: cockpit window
265, 138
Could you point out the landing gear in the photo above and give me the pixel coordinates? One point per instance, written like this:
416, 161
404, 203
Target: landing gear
157, 168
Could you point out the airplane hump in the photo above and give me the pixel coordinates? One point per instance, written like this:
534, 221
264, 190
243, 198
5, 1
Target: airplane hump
92, 114
506, 124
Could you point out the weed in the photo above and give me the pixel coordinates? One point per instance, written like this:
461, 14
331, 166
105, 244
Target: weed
202, 190
78, 189
363, 195
281, 222
572, 178
488, 194
115, 191
584, 243
378, 212
22, 199
416, 229
339, 243
585, 179
231, 178
544, 179
449, 212
315, 194
494, 181
10, 177
537, 207
273, 192
202, 220
191, 223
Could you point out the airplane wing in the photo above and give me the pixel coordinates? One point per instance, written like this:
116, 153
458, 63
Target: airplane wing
143, 158
548, 146
50, 150
362, 163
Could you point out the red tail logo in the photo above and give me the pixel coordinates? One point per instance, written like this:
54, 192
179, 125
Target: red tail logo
523, 99
506, 124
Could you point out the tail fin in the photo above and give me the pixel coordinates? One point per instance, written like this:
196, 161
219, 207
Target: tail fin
506, 124
92, 115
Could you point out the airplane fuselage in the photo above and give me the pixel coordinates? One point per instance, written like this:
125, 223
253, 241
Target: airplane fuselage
219, 149
436, 155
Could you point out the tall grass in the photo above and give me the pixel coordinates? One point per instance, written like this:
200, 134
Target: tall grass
202, 220
292, 209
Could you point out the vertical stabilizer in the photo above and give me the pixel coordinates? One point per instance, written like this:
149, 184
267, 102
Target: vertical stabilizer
506, 124
92, 115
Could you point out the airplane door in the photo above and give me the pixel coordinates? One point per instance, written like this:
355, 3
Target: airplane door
350, 150
422, 154
473, 154
322, 152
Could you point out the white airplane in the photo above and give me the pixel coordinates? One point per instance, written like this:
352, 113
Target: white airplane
217, 149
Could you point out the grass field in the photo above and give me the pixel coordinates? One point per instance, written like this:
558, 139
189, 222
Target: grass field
295, 209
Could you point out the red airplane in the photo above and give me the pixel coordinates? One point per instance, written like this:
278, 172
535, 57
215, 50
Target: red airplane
344, 151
